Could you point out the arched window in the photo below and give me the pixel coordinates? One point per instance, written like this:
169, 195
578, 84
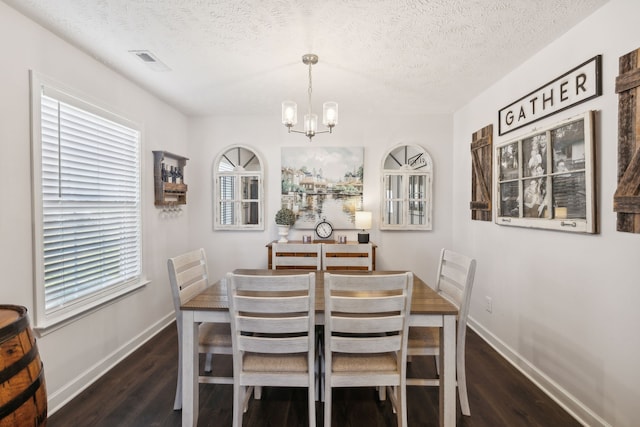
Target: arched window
238, 194
407, 176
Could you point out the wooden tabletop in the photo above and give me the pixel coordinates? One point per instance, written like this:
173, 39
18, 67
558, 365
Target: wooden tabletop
424, 300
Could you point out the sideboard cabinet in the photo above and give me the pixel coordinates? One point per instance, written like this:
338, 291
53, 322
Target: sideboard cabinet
373, 252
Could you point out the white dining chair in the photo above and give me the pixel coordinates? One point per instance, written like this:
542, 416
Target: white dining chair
188, 276
454, 282
273, 335
365, 339
303, 256
340, 256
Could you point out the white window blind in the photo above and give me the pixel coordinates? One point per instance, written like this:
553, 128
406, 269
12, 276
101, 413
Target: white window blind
227, 202
90, 230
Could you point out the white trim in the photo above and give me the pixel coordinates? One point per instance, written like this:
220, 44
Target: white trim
406, 171
44, 322
54, 322
62, 92
237, 199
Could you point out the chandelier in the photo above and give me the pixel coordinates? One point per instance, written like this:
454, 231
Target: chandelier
329, 109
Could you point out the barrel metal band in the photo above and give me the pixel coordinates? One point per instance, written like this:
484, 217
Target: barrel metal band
11, 370
14, 329
21, 398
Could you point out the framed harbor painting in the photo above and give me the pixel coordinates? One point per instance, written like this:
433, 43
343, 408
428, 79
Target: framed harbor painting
546, 179
322, 183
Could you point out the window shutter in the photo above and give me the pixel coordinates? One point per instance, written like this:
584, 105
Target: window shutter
481, 167
626, 200
91, 230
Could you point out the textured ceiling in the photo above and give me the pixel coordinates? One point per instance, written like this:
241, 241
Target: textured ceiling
244, 56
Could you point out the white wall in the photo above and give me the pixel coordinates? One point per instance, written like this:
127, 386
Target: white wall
565, 306
227, 250
76, 354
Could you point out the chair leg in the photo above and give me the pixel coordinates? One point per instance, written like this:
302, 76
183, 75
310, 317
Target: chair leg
393, 396
394, 391
207, 362
238, 406
402, 410
396, 404
382, 393
320, 364
318, 374
177, 403
327, 405
322, 380
246, 398
257, 392
462, 385
312, 407
321, 375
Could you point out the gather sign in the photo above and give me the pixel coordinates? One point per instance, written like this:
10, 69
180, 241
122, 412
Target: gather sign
573, 87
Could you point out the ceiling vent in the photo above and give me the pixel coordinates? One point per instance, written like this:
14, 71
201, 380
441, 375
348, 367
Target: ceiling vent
150, 60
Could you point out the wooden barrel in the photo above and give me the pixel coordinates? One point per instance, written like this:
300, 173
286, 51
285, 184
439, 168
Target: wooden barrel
23, 395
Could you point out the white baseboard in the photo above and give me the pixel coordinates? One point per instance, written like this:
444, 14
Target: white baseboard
61, 397
568, 402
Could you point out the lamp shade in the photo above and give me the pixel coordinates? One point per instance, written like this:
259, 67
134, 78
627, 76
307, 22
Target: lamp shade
363, 220
289, 113
310, 124
330, 114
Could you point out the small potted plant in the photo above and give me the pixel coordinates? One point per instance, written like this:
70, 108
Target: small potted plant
285, 218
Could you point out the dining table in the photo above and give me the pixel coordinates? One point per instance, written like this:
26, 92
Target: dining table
428, 309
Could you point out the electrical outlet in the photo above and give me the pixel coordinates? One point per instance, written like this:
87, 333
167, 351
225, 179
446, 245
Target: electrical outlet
488, 304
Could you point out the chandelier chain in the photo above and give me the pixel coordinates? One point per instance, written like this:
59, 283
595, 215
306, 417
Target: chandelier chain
310, 89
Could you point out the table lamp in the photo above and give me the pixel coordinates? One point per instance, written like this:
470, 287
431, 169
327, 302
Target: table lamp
363, 222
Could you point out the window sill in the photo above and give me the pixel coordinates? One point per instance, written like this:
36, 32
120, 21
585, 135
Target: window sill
56, 321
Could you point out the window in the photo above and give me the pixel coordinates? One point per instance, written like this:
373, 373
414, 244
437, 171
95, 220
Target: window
407, 174
545, 178
238, 194
86, 187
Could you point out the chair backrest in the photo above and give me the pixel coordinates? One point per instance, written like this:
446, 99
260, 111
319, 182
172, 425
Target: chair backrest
367, 313
272, 314
188, 275
340, 256
304, 256
454, 282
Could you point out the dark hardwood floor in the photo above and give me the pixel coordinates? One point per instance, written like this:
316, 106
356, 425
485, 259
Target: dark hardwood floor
140, 391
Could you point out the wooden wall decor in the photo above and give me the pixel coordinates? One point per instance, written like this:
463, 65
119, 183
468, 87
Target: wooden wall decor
481, 173
626, 200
